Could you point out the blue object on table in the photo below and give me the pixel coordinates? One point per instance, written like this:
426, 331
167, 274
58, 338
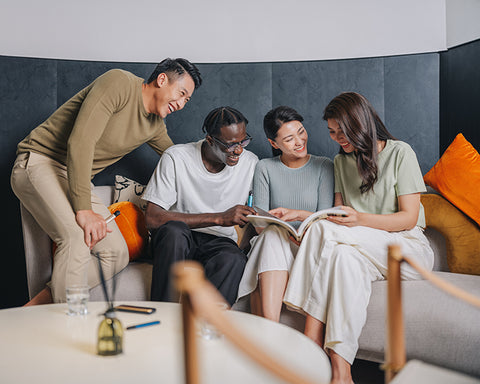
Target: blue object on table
144, 324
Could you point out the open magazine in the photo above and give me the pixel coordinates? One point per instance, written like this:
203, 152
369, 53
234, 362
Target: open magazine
263, 219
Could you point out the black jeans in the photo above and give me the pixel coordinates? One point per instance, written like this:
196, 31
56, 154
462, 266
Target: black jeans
174, 241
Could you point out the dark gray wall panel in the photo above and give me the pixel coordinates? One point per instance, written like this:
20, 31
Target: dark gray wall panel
309, 86
246, 87
412, 98
27, 95
76, 75
460, 94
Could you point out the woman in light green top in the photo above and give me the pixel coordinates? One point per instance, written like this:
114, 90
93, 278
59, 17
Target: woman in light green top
378, 183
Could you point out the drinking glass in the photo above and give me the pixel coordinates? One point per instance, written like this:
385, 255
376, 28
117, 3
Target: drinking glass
77, 299
208, 331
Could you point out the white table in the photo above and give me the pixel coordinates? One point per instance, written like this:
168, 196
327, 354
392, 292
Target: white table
41, 344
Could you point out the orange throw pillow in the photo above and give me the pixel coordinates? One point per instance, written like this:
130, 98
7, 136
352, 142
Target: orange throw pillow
456, 175
131, 223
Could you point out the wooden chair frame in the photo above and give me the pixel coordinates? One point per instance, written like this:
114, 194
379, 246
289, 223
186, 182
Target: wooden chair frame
199, 298
395, 351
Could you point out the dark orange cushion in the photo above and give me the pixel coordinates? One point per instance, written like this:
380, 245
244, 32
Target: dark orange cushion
456, 175
131, 223
462, 235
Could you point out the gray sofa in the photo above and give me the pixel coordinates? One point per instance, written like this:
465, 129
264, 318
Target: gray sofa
439, 330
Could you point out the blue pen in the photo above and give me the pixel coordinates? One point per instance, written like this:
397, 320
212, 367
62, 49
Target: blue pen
144, 324
250, 199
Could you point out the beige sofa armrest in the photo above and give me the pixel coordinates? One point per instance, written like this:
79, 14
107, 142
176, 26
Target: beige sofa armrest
38, 253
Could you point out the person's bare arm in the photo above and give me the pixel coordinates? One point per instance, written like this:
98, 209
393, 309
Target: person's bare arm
405, 219
338, 199
156, 216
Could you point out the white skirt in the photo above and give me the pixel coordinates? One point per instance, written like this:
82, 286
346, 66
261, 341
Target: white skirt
270, 251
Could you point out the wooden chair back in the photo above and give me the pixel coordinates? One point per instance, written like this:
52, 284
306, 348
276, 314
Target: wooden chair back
395, 351
199, 298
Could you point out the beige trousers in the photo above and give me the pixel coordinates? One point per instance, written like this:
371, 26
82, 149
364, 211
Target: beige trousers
331, 277
41, 185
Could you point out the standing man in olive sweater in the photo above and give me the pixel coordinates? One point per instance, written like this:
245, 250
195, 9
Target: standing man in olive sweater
55, 163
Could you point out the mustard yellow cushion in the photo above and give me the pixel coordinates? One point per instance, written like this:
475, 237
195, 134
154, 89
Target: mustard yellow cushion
131, 223
462, 235
456, 175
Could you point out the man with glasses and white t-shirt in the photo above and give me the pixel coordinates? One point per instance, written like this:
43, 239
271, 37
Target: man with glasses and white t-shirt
196, 196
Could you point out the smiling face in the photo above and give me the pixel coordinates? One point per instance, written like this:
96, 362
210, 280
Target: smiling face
170, 94
336, 134
234, 133
292, 140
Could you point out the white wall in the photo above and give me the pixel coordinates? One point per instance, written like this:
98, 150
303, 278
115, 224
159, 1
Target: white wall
463, 21
220, 30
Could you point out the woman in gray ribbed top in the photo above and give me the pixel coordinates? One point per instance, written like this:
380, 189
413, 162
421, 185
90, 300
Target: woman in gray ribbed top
291, 186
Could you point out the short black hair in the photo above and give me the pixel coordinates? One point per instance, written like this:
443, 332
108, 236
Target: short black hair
175, 68
222, 117
275, 118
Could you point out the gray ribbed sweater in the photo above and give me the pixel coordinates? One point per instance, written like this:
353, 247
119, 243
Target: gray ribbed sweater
309, 187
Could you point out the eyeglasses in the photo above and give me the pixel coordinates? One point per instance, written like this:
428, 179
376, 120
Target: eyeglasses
232, 146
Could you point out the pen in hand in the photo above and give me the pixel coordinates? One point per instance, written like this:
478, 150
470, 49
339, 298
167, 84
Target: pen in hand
144, 324
112, 216
250, 199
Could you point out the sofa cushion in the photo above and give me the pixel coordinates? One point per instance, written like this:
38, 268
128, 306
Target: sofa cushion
131, 284
456, 176
129, 190
439, 329
462, 235
131, 223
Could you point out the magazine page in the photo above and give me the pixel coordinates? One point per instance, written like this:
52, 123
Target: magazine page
319, 215
263, 219
262, 212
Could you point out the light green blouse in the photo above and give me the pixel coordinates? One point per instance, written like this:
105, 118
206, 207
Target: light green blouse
398, 174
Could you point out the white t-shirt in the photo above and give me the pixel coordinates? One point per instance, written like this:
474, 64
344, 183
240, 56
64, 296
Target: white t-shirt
181, 183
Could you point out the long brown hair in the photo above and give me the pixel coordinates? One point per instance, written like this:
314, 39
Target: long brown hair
362, 127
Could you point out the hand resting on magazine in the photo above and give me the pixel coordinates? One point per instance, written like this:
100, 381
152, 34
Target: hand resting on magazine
287, 214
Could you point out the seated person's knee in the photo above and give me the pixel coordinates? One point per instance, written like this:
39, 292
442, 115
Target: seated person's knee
274, 233
234, 262
174, 226
171, 228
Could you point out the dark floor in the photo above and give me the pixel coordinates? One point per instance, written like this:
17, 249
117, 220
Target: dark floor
367, 372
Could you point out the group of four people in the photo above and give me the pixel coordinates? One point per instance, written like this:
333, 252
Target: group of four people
198, 193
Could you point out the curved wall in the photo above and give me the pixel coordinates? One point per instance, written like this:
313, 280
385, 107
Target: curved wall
216, 31
462, 21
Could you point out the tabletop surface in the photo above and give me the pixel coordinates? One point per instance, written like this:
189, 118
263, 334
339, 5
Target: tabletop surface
42, 344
